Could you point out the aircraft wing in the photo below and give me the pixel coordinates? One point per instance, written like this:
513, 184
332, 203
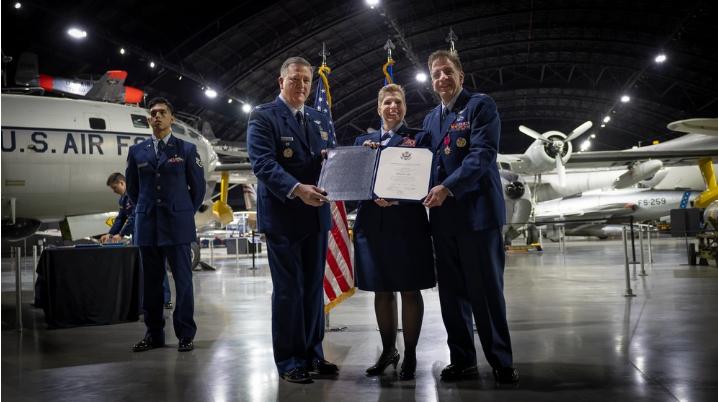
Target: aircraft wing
681, 151
601, 212
108, 87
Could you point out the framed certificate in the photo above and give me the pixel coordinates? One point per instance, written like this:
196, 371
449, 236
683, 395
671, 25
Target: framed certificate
360, 173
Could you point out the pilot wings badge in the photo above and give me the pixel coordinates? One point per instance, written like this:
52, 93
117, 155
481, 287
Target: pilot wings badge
406, 155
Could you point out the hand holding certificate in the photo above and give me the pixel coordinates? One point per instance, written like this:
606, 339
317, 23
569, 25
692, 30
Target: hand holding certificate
363, 173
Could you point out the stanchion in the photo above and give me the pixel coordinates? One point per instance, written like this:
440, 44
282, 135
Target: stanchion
629, 292
211, 252
18, 291
34, 269
650, 248
633, 243
540, 237
254, 247
236, 251
640, 243
329, 328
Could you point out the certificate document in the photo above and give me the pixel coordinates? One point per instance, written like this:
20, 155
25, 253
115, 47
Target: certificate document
403, 173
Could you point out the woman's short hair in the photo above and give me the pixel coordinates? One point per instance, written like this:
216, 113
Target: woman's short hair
393, 88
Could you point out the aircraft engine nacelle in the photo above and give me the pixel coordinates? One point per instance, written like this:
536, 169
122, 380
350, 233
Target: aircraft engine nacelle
21, 229
543, 155
517, 197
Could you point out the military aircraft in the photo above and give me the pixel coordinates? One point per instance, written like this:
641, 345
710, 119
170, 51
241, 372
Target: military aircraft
57, 154
109, 87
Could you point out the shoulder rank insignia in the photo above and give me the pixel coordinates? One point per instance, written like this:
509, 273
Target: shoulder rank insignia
317, 121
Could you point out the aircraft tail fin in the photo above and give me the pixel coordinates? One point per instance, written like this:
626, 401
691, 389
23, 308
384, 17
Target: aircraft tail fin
207, 131
108, 87
27, 69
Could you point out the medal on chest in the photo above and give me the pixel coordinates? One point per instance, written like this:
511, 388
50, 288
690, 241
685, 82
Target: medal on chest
447, 149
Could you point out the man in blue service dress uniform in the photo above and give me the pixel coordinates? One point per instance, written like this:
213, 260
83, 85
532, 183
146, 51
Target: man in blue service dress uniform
286, 142
165, 182
467, 213
124, 223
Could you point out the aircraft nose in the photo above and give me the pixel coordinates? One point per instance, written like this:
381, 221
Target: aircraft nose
515, 190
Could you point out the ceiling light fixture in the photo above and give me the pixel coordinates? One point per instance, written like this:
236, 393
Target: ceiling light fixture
246, 108
210, 93
660, 58
76, 33
625, 98
606, 119
421, 77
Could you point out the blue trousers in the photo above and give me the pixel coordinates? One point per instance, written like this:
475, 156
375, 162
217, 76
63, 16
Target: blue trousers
470, 270
155, 273
168, 290
296, 262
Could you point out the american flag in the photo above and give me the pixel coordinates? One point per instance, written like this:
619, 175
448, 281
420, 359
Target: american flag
338, 272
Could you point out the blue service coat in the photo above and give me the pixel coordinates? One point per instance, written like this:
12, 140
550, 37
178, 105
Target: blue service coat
470, 170
407, 217
281, 157
125, 217
166, 192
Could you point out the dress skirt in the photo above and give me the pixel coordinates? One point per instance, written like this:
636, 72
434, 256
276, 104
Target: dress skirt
393, 262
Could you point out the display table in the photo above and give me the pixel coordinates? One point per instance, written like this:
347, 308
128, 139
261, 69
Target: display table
90, 286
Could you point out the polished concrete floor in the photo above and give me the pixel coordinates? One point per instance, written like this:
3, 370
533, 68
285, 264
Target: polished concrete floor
575, 338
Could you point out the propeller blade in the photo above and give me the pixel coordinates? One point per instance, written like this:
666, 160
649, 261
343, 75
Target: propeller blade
561, 171
533, 134
578, 131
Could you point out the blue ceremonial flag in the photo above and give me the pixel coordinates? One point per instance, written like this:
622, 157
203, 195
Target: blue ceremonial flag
390, 73
321, 103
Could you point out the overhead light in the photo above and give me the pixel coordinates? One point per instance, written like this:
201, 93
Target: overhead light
152, 64
18, 5
122, 50
246, 108
421, 77
76, 33
593, 135
586, 144
606, 119
625, 98
372, 3
603, 125
660, 58
210, 93
229, 100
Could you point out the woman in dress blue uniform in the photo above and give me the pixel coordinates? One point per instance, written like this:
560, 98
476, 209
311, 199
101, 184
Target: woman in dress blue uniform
392, 245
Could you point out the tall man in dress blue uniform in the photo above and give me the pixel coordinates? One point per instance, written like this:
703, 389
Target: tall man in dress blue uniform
287, 142
467, 213
124, 223
165, 182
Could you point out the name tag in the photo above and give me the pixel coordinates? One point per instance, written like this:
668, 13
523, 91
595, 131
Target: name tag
141, 165
460, 126
287, 138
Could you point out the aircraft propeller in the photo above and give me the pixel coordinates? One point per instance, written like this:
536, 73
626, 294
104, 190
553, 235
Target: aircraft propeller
557, 146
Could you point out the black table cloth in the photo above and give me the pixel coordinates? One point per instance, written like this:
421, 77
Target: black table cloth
90, 286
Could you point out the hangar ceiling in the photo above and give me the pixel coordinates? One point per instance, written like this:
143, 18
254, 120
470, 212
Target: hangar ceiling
549, 64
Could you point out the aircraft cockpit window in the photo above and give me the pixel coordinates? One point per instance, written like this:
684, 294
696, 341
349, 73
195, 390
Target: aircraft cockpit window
97, 124
193, 134
140, 121
505, 166
177, 129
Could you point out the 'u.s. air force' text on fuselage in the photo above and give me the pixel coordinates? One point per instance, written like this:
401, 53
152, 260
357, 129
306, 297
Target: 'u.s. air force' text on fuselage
61, 141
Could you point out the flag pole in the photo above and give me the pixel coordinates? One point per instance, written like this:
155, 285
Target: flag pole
452, 38
389, 61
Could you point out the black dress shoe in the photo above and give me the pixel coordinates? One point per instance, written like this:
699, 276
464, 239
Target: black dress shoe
380, 366
506, 375
408, 372
185, 344
169, 305
147, 344
322, 366
297, 374
455, 372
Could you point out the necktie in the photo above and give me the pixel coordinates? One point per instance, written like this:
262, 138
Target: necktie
443, 115
160, 148
385, 137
